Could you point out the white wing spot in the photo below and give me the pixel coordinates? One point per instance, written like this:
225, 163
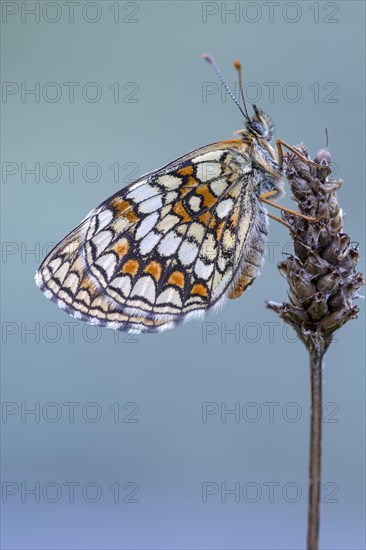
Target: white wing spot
228, 239
102, 240
169, 244
171, 197
197, 231
167, 223
55, 264
123, 284
62, 271
211, 155
187, 252
104, 218
222, 261
148, 242
224, 207
219, 186
146, 225
145, 287
170, 182
220, 282
108, 263
151, 205
142, 193
202, 270
208, 170
195, 204
72, 282
170, 296
208, 249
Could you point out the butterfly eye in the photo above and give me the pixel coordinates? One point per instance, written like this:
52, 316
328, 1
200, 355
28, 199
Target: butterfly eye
257, 127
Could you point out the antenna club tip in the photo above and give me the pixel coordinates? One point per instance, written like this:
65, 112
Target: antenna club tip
237, 65
208, 57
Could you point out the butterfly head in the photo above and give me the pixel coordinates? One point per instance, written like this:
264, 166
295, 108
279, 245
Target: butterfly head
260, 125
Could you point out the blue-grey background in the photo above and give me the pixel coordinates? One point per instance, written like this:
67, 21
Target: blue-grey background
151, 433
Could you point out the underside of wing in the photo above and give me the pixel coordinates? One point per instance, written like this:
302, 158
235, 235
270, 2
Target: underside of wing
166, 248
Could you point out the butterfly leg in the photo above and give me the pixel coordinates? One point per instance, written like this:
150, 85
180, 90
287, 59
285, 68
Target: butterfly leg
280, 144
278, 219
265, 196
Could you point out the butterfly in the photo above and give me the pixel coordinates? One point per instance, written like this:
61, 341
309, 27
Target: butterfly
178, 241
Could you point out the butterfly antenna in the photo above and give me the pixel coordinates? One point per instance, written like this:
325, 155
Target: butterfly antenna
237, 66
213, 63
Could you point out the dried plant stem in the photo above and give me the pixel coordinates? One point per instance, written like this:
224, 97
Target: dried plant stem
316, 376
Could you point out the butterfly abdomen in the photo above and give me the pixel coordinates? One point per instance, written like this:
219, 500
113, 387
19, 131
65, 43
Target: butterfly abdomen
253, 255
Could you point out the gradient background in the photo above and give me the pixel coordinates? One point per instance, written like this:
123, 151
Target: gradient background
169, 452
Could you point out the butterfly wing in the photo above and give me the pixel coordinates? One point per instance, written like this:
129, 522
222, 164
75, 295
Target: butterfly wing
167, 247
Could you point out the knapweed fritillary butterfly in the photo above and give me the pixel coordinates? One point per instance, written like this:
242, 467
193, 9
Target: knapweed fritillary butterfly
178, 241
